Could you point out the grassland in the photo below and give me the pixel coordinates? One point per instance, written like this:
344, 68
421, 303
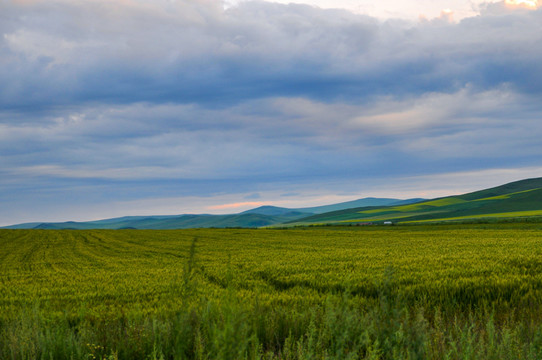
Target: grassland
510, 201
406, 292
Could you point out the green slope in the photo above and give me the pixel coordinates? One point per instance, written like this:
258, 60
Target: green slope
518, 199
369, 201
258, 217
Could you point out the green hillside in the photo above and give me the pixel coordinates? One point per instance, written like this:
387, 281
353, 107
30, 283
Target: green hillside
514, 200
254, 218
519, 199
370, 201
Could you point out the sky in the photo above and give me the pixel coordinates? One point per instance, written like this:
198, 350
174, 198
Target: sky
124, 107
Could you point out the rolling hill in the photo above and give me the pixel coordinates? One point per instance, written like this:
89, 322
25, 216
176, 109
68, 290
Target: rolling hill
258, 217
518, 199
369, 201
174, 222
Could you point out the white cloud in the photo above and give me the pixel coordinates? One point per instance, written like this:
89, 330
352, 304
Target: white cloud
386, 9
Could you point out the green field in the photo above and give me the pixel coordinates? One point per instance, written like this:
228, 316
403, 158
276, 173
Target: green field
405, 292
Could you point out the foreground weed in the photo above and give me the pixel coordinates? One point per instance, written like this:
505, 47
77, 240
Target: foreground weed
402, 293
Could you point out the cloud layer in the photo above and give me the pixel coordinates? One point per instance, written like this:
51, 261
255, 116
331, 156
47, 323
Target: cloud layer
120, 101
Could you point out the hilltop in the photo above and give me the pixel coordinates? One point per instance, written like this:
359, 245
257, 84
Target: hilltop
519, 199
254, 218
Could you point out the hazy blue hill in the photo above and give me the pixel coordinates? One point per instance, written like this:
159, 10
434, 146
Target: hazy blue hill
73, 225
176, 222
276, 211
370, 201
22, 226
131, 218
517, 199
207, 221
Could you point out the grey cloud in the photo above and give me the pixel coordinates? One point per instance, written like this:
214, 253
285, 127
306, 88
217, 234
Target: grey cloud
262, 140
194, 52
108, 101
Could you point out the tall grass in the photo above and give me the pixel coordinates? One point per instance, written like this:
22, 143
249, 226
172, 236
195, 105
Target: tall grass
340, 328
236, 312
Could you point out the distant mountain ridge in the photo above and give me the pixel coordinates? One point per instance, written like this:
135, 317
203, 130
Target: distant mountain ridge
173, 222
274, 211
369, 201
519, 199
258, 217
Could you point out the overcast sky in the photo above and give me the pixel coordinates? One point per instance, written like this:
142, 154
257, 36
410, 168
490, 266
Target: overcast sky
124, 107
